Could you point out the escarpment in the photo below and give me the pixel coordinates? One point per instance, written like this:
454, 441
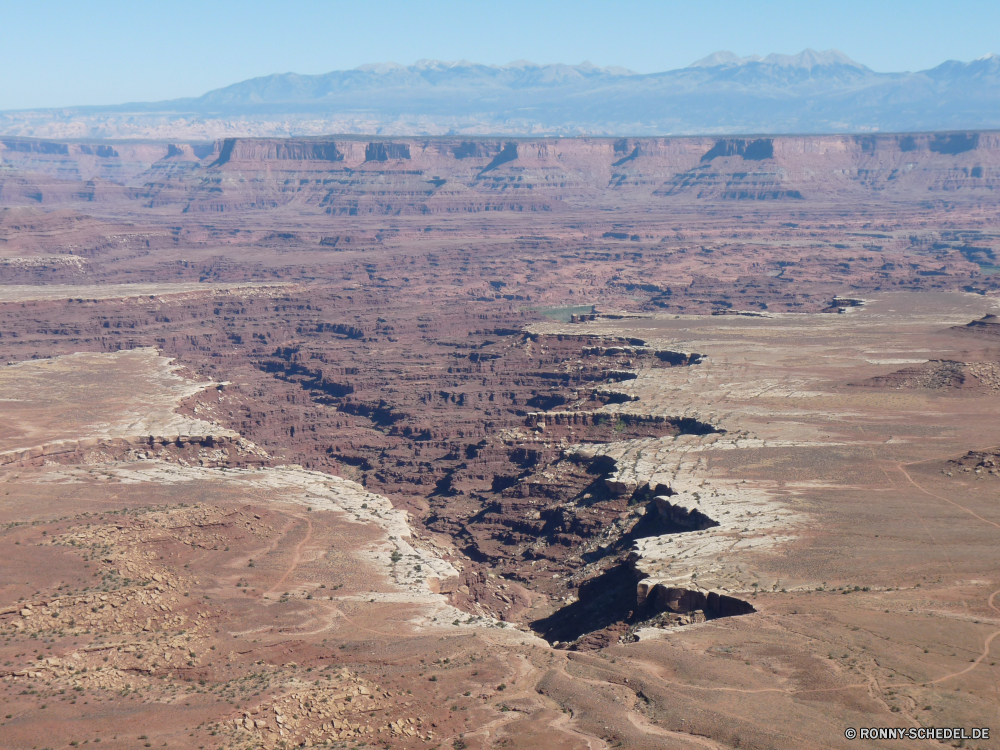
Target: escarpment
450, 175
756, 150
243, 150
611, 606
988, 326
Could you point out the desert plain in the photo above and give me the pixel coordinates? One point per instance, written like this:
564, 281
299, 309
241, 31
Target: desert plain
499, 443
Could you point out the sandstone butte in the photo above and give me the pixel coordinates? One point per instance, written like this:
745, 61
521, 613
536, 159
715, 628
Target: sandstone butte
498, 443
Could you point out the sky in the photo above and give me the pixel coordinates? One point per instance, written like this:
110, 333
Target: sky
69, 53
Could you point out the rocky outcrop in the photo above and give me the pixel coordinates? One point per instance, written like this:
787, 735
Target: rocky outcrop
240, 149
757, 150
623, 598
102, 150
656, 598
384, 151
475, 149
32, 146
981, 464
934, 374
676, 358
665, 517
227, 450
506, 155
987, 326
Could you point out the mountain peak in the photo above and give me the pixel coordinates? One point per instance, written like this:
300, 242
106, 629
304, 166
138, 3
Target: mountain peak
812, 91
807, 59
387, 67
521, 64
424, 64
810, 58
723, 57
557, 70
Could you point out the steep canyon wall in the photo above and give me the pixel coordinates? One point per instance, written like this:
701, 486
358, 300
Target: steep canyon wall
446, 175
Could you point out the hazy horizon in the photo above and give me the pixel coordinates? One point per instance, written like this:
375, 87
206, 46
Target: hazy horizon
119, 52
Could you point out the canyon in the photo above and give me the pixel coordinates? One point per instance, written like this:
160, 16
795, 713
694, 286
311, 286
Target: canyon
497, 442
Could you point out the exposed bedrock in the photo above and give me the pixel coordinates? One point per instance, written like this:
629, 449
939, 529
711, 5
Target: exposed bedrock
32, 146
276, 150
983, 464
382, 151
656, 598
664, 517
941, 374
988, 325
675, 358
606, 602
440, 176
756, 150
843, 304
624, 426
199, 450
934, 374
620, 598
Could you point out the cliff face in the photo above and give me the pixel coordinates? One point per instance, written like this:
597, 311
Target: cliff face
243, 150
449, 175
446, 175
120, 162
427, 176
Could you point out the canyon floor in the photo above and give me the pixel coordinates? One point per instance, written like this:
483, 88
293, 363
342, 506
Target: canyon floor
444, 443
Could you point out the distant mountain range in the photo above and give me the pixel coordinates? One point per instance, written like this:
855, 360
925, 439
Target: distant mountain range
812, 92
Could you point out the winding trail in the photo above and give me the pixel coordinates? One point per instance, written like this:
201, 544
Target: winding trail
991, 602
296, 556
562, 724
640, 723
980, 658
941, 497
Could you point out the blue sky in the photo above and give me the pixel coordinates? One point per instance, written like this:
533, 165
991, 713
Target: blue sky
69, 53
